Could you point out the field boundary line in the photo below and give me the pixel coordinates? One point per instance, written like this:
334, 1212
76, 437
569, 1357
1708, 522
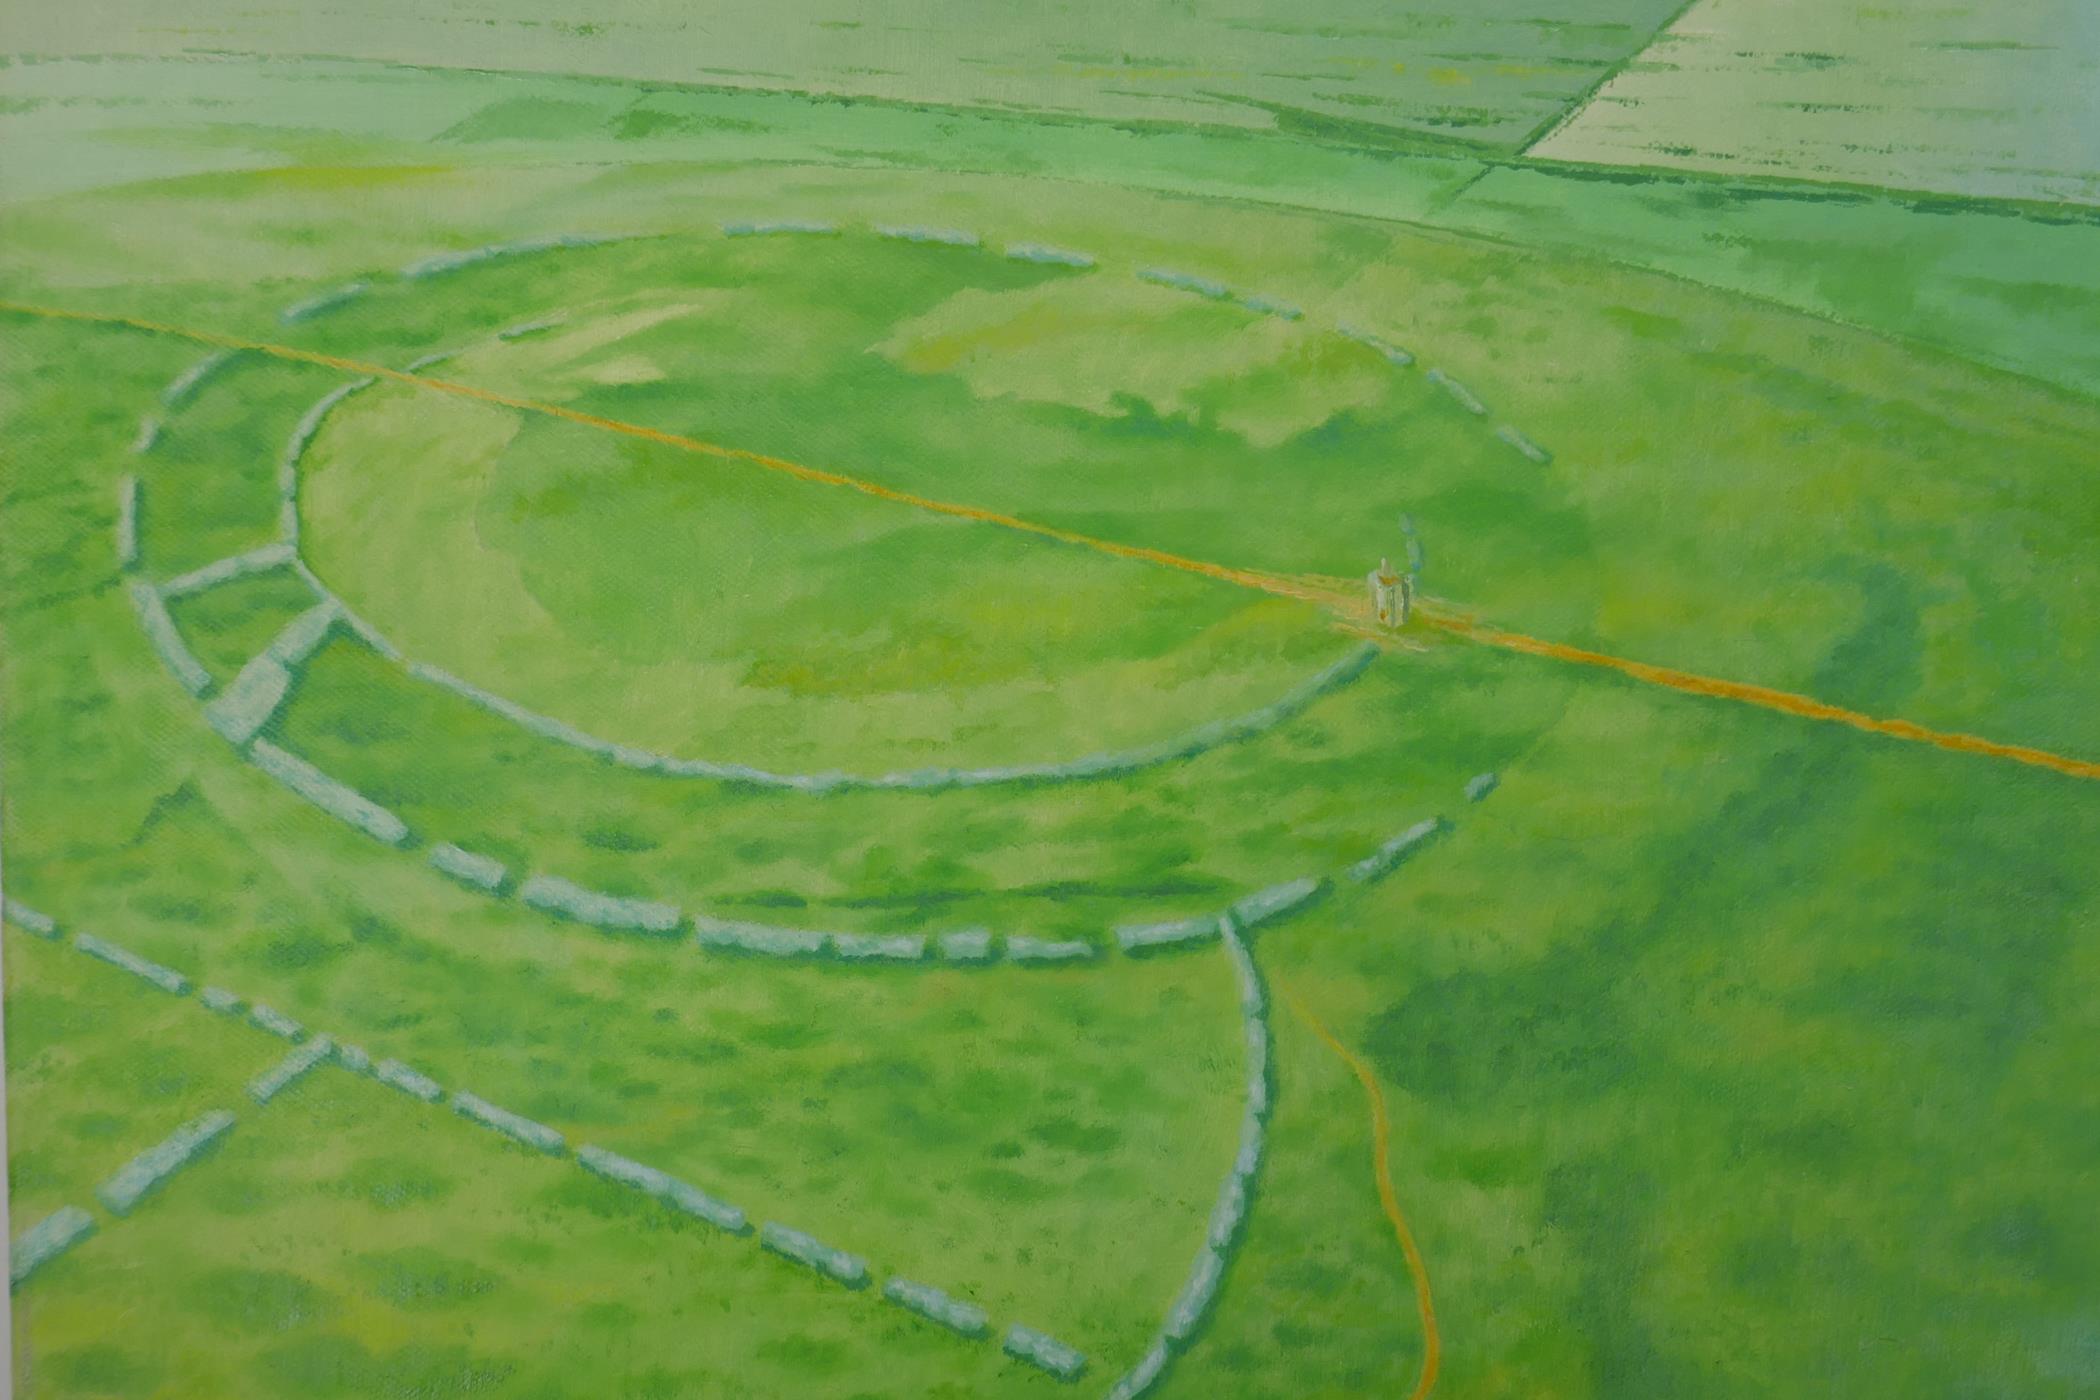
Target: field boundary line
1554, 124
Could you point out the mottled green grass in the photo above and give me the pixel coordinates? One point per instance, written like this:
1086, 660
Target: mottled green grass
1727, 1054
103, 1067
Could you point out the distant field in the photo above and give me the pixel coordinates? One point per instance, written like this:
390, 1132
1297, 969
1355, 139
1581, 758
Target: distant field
1989, 282
1982, 98
1478, 71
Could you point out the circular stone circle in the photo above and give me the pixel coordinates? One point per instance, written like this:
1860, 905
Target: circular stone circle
558, 896
1101, 764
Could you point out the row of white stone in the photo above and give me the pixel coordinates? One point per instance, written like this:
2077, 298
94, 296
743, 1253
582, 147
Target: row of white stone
1207, 287
122, 1192
185, 384
259, 690
146, 1172
46, 1240
255, 695
1192, 744
261, 687
1228, 1217
264, 683
120, 1195
1093, 766
248, 704
1465, 398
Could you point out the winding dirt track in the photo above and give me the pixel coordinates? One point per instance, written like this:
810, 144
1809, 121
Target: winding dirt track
1338, 595
1388, 1199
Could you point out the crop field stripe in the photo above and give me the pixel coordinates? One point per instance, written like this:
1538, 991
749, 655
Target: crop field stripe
1303, 590
1388, 1198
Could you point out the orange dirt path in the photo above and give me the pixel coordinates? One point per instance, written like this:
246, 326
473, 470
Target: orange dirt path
1333, 593
1784, 701
1388, 1199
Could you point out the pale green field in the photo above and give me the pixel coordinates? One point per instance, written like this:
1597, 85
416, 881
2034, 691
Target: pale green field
1994, 98
1488, 72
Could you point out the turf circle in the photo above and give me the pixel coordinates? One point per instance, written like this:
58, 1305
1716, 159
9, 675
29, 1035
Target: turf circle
587, 566
724, 618
628, 598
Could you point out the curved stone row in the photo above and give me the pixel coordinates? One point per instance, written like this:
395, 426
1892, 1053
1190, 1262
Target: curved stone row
1212, 290
322, 303
264, 685
1232, 929
1228, 1217
1191, 744
1195, 742
266, 682
437, 264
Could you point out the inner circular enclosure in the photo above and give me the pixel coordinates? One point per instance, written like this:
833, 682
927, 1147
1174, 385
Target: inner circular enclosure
706, 607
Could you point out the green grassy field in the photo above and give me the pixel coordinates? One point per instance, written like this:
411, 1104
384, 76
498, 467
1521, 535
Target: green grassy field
1726, 1052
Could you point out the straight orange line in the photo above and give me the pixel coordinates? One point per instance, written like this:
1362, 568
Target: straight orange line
1327, 592
1786, 702
1388, 1199
1278, 584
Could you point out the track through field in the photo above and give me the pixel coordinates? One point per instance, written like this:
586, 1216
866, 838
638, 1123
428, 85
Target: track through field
1388, 1198
1336, 595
